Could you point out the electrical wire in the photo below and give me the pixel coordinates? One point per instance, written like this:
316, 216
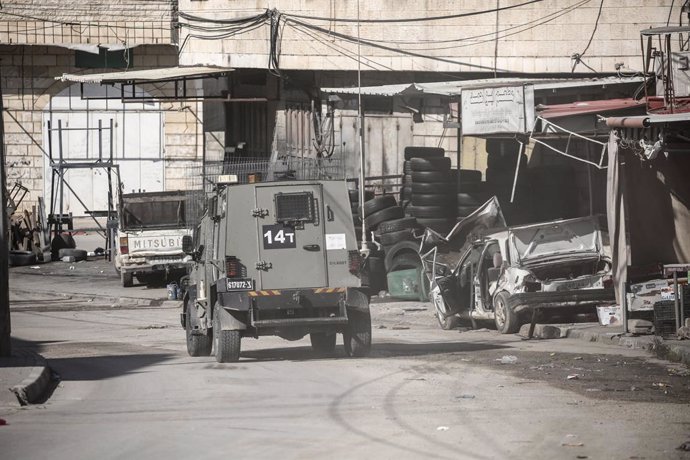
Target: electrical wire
419, 19
578, 57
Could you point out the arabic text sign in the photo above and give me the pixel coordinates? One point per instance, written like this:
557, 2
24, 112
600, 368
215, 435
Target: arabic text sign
498, 110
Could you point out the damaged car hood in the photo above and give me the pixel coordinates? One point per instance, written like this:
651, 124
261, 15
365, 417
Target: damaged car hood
556, 239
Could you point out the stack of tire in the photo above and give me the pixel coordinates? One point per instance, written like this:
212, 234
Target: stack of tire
471, 192
354, 205
433, 188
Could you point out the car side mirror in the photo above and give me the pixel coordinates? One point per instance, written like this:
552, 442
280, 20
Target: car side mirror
187, 244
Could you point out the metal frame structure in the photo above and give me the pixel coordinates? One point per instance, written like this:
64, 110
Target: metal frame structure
59, 168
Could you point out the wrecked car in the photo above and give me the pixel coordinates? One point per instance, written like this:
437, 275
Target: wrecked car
484, 270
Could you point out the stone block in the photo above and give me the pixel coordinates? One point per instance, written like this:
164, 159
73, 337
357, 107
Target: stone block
543, 331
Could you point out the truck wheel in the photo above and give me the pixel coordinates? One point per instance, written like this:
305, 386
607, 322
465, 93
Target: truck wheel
507, 321
127, 279
322, 343
226, 343
357, 334
197, 345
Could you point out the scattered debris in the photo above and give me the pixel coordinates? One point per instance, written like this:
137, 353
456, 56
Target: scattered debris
153, 327
570, 440
442, 428
3, 421
35, 267
685, 447
508, 359
578, 358
468, 396
71, 267
413, 309
381, 326
480, 330
573, 377
592, 389
552, 354
661, 385
400, 328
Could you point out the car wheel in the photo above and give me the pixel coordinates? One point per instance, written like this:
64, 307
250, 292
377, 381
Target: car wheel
357, 334
446, 321
197, 345
226, 343
322, 343
127, 279
507, 321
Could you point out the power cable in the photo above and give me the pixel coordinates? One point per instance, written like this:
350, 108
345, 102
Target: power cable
578, 57
405, 20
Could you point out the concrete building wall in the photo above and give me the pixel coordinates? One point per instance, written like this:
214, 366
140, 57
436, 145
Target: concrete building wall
131, 22
540, 37
27, 76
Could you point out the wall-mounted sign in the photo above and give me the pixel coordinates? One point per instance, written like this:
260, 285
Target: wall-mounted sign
508, 109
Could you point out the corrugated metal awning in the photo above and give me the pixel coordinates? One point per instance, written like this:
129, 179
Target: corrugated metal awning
589, 107
147, 76
455, 88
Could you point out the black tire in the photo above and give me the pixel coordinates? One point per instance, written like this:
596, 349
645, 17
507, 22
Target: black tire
127, 279
21, 258
468, 176
354, 195
472, 187
374, 275
227, 344
465, 199
466, 210
442, 226
322, 343
507, 321
405, 261
375, 219
431, 212
403, 247
448, 323
423, 152
78, 254
391, 238
379, 203
433, 199
407, 179
357, 334
405, 193
430, 164
397, 225
197, 345
407, 167
69, 240
431, 176
437, 187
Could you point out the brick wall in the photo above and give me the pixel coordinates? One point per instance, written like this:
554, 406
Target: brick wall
86, 22
537, 38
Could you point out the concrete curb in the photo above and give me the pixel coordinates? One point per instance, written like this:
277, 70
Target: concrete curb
663, 349
35, 386
115, 301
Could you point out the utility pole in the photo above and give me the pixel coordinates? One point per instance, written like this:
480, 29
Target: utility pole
5, 325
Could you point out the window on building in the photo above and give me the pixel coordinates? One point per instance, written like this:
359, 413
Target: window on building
105, 59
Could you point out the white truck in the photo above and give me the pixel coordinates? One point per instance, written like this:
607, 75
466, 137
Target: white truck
148, 242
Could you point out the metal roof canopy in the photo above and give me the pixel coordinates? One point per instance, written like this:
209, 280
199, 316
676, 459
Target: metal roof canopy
130, 79
665, 30
455, 88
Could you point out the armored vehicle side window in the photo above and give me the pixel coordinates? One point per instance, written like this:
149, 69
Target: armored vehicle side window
294, 207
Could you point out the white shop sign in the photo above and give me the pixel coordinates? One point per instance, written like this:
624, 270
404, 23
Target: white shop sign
498, 110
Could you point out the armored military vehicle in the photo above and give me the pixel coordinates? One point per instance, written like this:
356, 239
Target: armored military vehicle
275, 258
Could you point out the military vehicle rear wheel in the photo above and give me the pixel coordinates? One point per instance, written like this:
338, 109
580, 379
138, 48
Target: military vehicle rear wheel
226, 343
322, 343
197, 345
357, 334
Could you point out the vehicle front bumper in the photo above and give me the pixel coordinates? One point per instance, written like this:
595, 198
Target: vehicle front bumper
575, 300
136, 269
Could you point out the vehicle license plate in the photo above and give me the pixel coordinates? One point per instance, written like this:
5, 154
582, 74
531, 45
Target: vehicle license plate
244, 284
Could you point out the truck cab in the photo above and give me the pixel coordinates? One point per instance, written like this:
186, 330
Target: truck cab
149, 236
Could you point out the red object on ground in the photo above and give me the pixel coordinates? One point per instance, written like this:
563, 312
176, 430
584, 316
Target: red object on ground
2, 422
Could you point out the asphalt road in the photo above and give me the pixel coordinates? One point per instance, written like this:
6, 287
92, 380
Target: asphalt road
129, 390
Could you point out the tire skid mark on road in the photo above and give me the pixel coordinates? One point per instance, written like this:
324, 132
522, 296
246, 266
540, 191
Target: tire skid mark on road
335, 412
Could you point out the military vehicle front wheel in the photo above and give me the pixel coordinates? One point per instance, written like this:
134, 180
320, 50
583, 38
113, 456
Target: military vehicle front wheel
226, 343
197, 345
357, 334
322, 343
